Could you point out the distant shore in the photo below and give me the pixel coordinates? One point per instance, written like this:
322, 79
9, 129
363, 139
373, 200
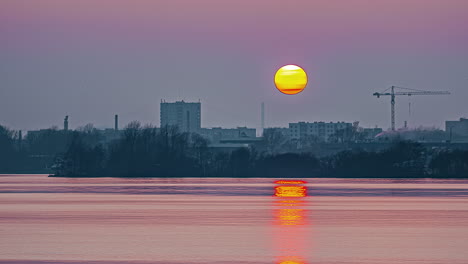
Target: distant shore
275, 177
149, 152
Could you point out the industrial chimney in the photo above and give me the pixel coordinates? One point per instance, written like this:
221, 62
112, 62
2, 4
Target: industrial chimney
263, 118
65, 123
116, 122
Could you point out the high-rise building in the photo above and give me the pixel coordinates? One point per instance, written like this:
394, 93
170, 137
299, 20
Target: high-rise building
185, 115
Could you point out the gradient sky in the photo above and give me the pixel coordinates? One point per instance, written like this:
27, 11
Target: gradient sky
91, 59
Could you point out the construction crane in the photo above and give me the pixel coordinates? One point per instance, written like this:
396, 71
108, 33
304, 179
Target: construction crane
404, 91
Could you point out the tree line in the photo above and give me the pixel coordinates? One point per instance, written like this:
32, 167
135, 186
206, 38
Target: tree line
147, 151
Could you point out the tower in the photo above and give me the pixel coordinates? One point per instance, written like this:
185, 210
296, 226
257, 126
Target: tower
263, 117
65, 123
116, 122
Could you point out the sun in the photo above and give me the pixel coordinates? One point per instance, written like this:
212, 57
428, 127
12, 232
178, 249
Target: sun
290, 79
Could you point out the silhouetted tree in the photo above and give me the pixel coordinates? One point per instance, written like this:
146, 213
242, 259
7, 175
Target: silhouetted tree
402, 159
240, 163
450, 163
201, 152
48, 141
288, 165
273, 140
10, 157
81, 159
147, 151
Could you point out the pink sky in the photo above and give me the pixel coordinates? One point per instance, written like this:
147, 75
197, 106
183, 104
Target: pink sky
401, 42
253, 23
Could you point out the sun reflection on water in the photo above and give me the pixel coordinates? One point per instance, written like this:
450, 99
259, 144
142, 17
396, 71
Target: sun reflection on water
290, 191
290, 223
291, 262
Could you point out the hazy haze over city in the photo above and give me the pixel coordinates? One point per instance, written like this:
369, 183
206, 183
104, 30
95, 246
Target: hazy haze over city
92, 59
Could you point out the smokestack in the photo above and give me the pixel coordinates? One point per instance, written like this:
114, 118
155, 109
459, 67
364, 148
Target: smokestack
116, 122
263, 117
65, 123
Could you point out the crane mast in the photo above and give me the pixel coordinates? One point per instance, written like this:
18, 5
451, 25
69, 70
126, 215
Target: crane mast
392, 102
405, 91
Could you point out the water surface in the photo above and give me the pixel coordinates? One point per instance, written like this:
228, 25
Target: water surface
205, 221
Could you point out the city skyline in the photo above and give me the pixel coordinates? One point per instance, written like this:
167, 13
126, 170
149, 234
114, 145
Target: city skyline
92, 60
115, 123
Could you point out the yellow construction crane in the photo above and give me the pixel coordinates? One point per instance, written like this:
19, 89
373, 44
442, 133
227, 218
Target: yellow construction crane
404, 91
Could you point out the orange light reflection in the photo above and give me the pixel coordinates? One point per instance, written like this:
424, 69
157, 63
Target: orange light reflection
290, 191
290, 182
291, 221
291, 217
292, 262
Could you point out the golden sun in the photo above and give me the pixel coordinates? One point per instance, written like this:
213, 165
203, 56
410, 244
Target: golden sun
290, 79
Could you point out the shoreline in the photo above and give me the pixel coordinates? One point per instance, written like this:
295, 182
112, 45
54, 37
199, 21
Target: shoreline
273, 177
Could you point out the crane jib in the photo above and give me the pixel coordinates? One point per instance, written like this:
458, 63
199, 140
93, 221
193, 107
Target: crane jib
406, 91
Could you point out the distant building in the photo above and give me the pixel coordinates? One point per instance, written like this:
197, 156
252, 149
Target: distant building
369, 134
323, 131
218, 134
108, 135
457, 130
282, 130
185, 115
41, 132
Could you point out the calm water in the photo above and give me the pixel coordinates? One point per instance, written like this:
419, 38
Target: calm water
188, 221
